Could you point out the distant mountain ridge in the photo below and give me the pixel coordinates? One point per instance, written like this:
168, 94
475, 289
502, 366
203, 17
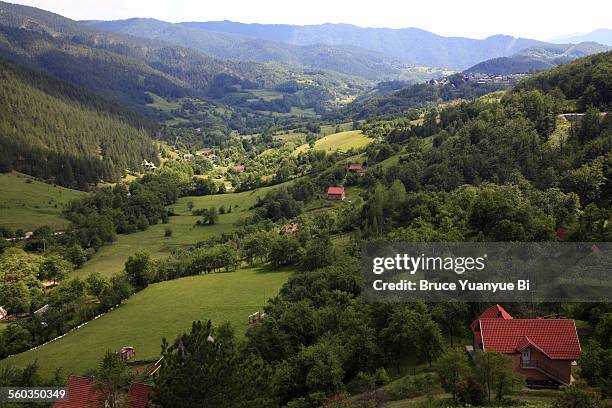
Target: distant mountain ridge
345, 59
128, 68
601, 35
408, 45
538, 58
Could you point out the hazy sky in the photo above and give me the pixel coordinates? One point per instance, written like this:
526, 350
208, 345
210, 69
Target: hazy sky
539, 19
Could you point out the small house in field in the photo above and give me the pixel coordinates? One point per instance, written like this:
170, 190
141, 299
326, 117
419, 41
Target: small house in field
336, 193
3, 312
188, 156
289, 229
543, 350
126, 353
239, 168
357, 168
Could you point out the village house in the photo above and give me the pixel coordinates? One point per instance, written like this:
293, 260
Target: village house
126, 353
83, 392
239, 168
148, 165
289, 229
139, 395
543, 350
357, 168
188, 156
336, 193
42, 310
3, 312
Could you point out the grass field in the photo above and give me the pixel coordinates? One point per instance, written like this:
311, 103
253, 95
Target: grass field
342, 141
110, 259
29, 204
161, 310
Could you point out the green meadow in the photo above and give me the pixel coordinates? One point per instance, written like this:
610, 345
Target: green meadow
164, 309
26, 203
343, 141
110, 259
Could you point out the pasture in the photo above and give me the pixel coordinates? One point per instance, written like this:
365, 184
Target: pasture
343, 141
164, 309
26, 203
110, 259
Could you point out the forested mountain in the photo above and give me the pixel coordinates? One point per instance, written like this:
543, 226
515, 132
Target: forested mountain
345, 59
537, 58
55, 130
409, 45
584, 82
407, 98
601, 35
122, 66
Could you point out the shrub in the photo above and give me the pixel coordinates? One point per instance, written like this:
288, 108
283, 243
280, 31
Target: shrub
167, 232
470, 392
414, 385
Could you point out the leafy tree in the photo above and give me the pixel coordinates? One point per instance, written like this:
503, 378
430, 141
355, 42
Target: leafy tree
55, 268
603, 331
76, 255
453, 368
95, 284
138, 268
428, 339
495, 372
111, 378
451, 317
318, 253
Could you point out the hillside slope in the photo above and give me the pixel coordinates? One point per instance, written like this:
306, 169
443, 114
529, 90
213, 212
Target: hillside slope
55, 130
537, 58
588, 81
27, 204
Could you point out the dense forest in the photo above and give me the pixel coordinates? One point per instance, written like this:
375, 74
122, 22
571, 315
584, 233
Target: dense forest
54, 130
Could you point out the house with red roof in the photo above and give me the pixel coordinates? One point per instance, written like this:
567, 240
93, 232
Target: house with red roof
336, 193
84, 393
357, 168
139, 395
543, 350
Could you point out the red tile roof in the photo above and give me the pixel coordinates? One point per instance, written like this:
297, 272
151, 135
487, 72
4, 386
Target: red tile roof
556, 338
493, 312
81, 394
335, 190
355, 166
139, 395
